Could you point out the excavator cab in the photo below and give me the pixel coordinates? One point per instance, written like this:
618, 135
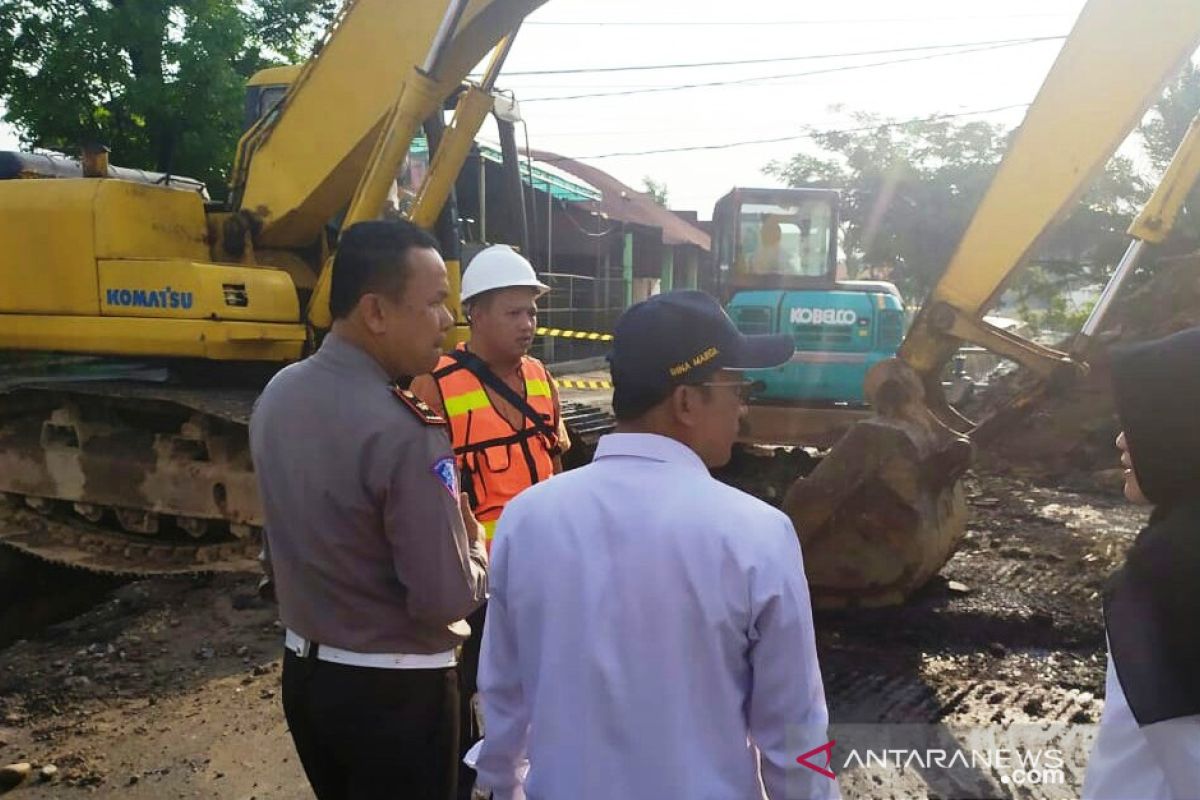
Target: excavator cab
265, 91
777, 253
776, 236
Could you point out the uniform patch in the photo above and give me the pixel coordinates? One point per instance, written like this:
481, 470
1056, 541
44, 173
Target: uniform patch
447, 473
418, 407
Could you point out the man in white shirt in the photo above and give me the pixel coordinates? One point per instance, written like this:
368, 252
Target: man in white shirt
650, 633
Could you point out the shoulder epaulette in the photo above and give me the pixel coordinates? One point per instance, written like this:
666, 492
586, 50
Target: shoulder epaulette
418, 407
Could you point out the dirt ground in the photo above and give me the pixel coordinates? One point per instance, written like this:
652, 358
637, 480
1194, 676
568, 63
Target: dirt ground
169, 687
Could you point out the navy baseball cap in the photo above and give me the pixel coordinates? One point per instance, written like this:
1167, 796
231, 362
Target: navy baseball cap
677, 338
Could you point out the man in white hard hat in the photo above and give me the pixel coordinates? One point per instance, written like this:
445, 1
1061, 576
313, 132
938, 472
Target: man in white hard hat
503, 409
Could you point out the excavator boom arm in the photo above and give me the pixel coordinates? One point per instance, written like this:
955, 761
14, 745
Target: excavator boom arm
884, 512
303, 166
1109, 71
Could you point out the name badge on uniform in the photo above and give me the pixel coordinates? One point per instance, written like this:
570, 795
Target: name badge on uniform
447, 473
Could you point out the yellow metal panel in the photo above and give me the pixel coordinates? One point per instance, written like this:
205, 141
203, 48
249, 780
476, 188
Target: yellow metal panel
454, 301
188, 290
459, 138
457, 335
309, 165
138, 220
1110, 69
274, 76
183, 338
1158, 215
47, 261
403, 122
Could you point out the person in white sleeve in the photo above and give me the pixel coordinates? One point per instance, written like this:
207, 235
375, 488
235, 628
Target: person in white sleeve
650, 633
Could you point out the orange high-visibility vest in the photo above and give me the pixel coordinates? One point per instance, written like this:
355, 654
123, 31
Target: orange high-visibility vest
496, 460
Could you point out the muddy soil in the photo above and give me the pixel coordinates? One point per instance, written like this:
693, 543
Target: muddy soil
1068, 433
169, 688
1009, 637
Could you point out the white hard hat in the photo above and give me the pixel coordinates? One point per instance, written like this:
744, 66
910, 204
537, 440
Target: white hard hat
499, 267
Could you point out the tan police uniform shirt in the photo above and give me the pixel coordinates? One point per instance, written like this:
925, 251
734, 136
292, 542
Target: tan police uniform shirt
363, 539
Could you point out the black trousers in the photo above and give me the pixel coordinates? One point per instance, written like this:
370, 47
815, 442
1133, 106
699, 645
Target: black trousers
468, 685
373, 734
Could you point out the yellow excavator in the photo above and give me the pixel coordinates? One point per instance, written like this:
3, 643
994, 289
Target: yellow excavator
117, 277
138, 321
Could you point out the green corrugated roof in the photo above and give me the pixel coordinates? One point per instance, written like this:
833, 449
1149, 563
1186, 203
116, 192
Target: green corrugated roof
545, 178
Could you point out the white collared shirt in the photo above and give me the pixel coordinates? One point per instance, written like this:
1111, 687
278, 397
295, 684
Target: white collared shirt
649, 635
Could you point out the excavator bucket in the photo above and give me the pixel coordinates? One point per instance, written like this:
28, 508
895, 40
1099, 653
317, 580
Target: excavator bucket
885, 510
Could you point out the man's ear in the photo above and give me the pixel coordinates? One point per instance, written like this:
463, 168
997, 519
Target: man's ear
684, 403
370, 310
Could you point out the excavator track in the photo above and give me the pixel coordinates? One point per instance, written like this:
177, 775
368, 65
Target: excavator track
129, 478
103, 551
586, 423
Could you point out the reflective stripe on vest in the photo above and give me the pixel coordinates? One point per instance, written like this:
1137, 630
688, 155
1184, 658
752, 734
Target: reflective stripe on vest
496, 461
458, 405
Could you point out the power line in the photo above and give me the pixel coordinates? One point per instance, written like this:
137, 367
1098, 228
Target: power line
778, 139
690, 65
733, 81
773, 23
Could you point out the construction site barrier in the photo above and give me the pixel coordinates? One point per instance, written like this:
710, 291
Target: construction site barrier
566, 383
565, 334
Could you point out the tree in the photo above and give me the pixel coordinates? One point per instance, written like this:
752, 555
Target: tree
656, 190
910, 189
1085, 248
159, 81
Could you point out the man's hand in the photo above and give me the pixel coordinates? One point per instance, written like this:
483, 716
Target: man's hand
474, 528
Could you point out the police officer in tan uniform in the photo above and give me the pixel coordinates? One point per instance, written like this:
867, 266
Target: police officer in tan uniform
375, 555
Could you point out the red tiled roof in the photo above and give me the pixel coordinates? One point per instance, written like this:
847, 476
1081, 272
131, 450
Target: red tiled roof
624, 204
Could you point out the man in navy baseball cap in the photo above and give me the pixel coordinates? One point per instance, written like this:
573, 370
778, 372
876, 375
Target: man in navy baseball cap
683, 338
643, 557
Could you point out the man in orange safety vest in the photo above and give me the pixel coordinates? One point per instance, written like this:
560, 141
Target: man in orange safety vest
503, 409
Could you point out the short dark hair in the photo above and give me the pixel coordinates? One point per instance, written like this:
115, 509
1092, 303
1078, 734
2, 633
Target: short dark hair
480, 301
372, 257
630, 406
